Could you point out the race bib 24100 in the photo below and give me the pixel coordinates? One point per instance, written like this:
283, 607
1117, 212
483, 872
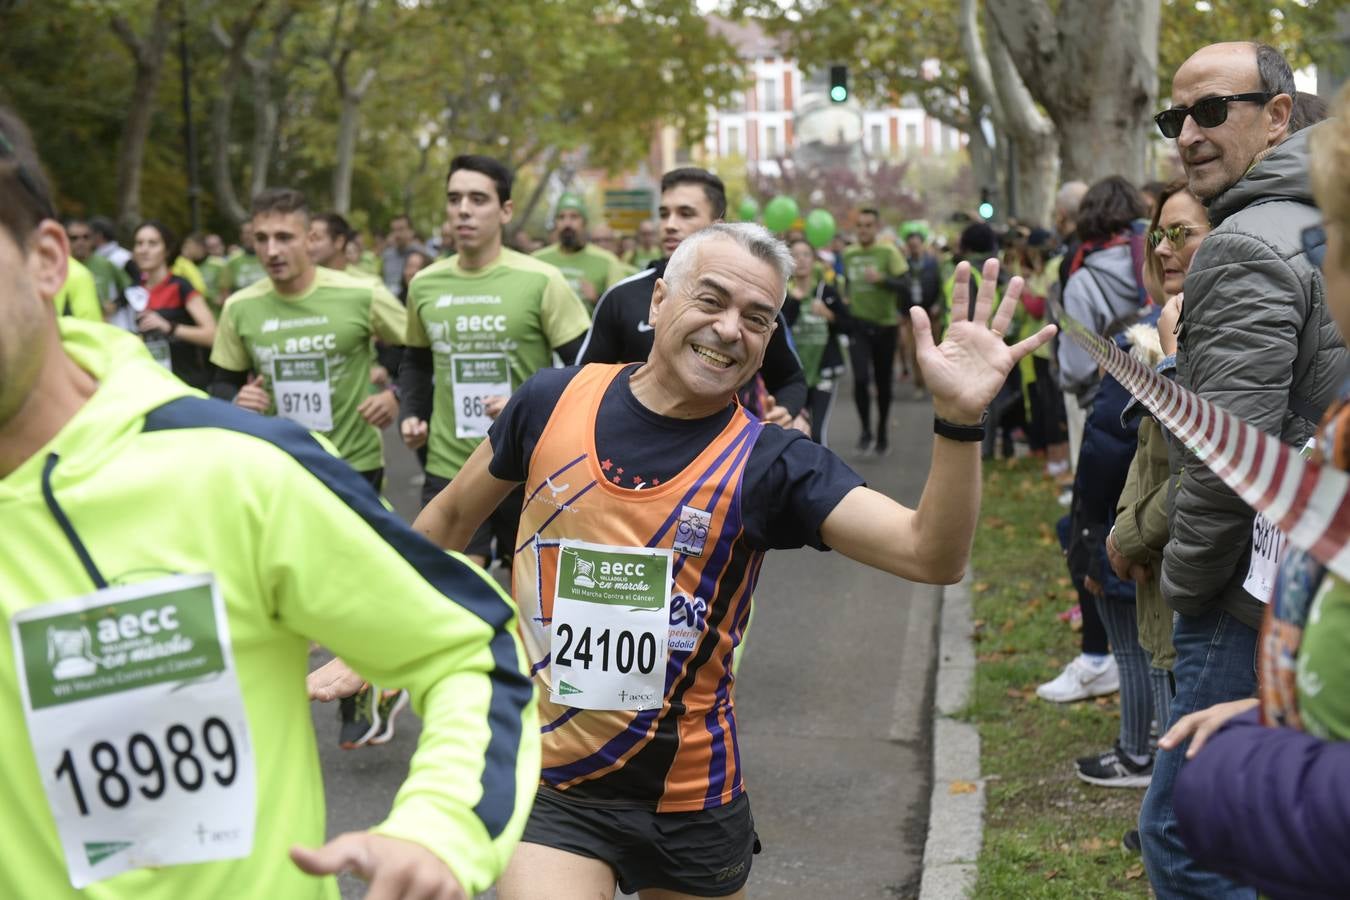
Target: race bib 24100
611, 626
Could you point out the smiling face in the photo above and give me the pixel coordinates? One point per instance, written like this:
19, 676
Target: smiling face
713, 324
1216, 158
1181, 209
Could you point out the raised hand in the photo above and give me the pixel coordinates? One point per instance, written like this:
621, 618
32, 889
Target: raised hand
967, 369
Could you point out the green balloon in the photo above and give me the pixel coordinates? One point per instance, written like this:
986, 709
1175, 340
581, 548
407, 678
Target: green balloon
780, 213
749, 208
820, 227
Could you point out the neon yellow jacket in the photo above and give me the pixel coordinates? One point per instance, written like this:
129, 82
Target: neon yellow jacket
153, 478
78, 297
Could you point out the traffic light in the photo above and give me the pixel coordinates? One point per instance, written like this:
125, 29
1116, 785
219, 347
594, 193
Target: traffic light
838, 83
986, 208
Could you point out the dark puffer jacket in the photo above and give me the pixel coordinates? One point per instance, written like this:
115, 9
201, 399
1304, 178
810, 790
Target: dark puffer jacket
1257, 339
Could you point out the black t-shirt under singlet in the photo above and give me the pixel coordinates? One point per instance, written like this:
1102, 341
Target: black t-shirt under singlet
791, 483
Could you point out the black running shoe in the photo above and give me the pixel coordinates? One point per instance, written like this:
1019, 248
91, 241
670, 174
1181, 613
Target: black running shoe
1131, 841
391, 704
1114, 768
360, 719
865, 442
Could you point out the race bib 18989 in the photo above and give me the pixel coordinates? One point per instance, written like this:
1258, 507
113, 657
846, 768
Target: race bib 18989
138, 727
611, 626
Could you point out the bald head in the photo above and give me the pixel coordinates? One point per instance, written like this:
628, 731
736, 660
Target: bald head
1216, 157
1067, 201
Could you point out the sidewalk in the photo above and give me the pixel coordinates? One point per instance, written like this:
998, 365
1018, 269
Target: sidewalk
956, 811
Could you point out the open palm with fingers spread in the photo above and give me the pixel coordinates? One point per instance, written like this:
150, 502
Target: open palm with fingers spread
967, 369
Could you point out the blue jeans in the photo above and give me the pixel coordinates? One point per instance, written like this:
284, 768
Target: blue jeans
1216, 662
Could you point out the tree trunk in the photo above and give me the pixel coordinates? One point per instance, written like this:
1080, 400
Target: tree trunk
522, 214
995, 83
1093, 66
984, 165
148, 57
349, 123
1035, 144
266, 106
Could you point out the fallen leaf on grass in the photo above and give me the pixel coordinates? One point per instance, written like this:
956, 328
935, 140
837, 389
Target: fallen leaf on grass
1051, 874
962, 787
980, 587
1015, 694
1092, 845
1134, 873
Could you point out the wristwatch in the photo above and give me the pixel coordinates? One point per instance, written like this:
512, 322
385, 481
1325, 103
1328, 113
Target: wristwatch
954, 432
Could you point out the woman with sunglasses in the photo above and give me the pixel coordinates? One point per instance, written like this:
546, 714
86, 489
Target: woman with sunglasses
1135, 544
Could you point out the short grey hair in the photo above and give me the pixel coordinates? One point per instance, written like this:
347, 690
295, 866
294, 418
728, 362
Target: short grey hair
1070, 197
757, 240
1273, 69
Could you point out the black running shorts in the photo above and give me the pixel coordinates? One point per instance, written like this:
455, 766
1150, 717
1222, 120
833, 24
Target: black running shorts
706, 853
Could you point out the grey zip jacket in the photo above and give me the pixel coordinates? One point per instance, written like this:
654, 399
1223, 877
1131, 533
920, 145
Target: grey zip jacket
1257, 339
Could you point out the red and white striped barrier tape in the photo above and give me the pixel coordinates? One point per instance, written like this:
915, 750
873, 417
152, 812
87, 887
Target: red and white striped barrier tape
1309, 502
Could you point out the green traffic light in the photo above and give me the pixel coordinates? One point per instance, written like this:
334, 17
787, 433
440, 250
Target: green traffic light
986, 210
838, 93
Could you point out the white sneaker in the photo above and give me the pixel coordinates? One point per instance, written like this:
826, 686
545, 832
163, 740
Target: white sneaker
1081, 680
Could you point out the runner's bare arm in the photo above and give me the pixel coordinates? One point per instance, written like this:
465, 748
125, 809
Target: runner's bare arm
451, 517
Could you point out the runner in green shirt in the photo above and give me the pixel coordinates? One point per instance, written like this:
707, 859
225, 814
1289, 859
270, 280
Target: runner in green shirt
243, 267
109, 280
873, 271
305, 334
479, 324
168, 560
590, 270
78, 297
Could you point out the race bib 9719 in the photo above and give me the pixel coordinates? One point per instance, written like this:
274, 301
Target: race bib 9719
138, 727
303, 394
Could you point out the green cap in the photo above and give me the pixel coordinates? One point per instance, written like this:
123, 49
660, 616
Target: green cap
913, 227
571, 201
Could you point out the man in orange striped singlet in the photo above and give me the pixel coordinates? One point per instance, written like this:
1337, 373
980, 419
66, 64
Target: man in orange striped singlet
651, 498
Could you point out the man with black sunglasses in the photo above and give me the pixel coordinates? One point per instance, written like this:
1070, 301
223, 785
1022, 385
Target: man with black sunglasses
1257, 339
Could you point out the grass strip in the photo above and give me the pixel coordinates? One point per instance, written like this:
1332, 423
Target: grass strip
1047, 834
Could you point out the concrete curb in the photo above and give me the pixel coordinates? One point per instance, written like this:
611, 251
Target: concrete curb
956, 812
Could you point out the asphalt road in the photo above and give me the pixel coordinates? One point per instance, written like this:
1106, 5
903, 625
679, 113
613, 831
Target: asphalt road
834, 700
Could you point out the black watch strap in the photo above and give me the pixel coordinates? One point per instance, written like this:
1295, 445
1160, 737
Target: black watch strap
953, 432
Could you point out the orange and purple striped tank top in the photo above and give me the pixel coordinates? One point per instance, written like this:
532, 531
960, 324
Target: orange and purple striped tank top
682, 755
